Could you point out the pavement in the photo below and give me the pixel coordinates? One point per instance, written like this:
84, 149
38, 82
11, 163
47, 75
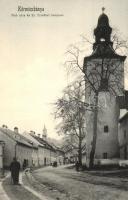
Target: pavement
8, 191
66, 184
35, 193
63, 183
3, 194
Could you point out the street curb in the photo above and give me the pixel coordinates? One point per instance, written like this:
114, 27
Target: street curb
3, 195
35, 193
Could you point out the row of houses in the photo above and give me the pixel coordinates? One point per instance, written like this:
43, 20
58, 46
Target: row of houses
30, 149
33, 149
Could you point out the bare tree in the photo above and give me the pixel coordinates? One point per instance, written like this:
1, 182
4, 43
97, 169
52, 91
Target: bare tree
99, 74
70, 110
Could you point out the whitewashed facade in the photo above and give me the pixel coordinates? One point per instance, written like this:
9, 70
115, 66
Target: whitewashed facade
16, 146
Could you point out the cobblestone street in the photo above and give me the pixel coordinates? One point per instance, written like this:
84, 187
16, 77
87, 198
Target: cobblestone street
67, 184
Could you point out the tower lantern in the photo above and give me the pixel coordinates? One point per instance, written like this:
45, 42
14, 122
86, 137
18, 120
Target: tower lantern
103, 31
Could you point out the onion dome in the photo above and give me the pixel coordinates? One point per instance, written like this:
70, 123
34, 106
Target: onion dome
103, 46
103, 20
103, 31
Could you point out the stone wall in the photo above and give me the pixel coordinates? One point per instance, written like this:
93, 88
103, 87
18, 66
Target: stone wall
108, 115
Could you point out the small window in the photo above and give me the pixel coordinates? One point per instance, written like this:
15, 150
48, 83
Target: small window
124, 134
106, 129
102, 39
105, 155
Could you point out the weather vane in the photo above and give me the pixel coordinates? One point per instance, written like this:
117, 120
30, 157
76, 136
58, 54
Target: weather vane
103, 9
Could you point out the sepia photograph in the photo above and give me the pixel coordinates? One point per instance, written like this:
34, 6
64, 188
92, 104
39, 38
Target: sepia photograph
64, 100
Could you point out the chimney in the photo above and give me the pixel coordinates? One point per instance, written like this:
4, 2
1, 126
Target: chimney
16, 130
4, 126
32, 132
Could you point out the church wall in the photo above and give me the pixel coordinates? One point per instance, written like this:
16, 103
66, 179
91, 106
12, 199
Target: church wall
108, 115
107, 142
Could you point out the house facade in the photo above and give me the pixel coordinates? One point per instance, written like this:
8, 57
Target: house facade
29, 149
123, 136
16, 146
70, 154
47, 151
38, 157
2, 144
59, 156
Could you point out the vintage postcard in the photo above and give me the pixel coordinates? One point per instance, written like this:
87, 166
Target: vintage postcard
64, 99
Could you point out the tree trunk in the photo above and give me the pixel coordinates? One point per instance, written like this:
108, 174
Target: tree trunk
92, 153
80, 153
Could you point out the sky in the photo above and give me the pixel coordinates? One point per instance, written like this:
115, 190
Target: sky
32, 50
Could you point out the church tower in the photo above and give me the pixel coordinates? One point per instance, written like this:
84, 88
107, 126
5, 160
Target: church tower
44, 135
104, 80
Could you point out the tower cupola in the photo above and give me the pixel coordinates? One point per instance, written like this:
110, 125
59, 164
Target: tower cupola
103, 31
103, 46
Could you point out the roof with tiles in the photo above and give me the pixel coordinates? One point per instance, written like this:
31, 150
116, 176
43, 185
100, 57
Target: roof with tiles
30, 136
17, 137
45, 143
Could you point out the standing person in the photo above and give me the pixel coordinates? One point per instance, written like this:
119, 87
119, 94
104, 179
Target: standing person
77, 166
24, 164
15, 169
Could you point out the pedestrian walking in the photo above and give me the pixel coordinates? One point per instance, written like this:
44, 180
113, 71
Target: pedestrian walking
77, 166
15, 169
24, 164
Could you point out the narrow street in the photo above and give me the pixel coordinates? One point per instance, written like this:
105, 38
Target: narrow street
69, 184
66, 184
